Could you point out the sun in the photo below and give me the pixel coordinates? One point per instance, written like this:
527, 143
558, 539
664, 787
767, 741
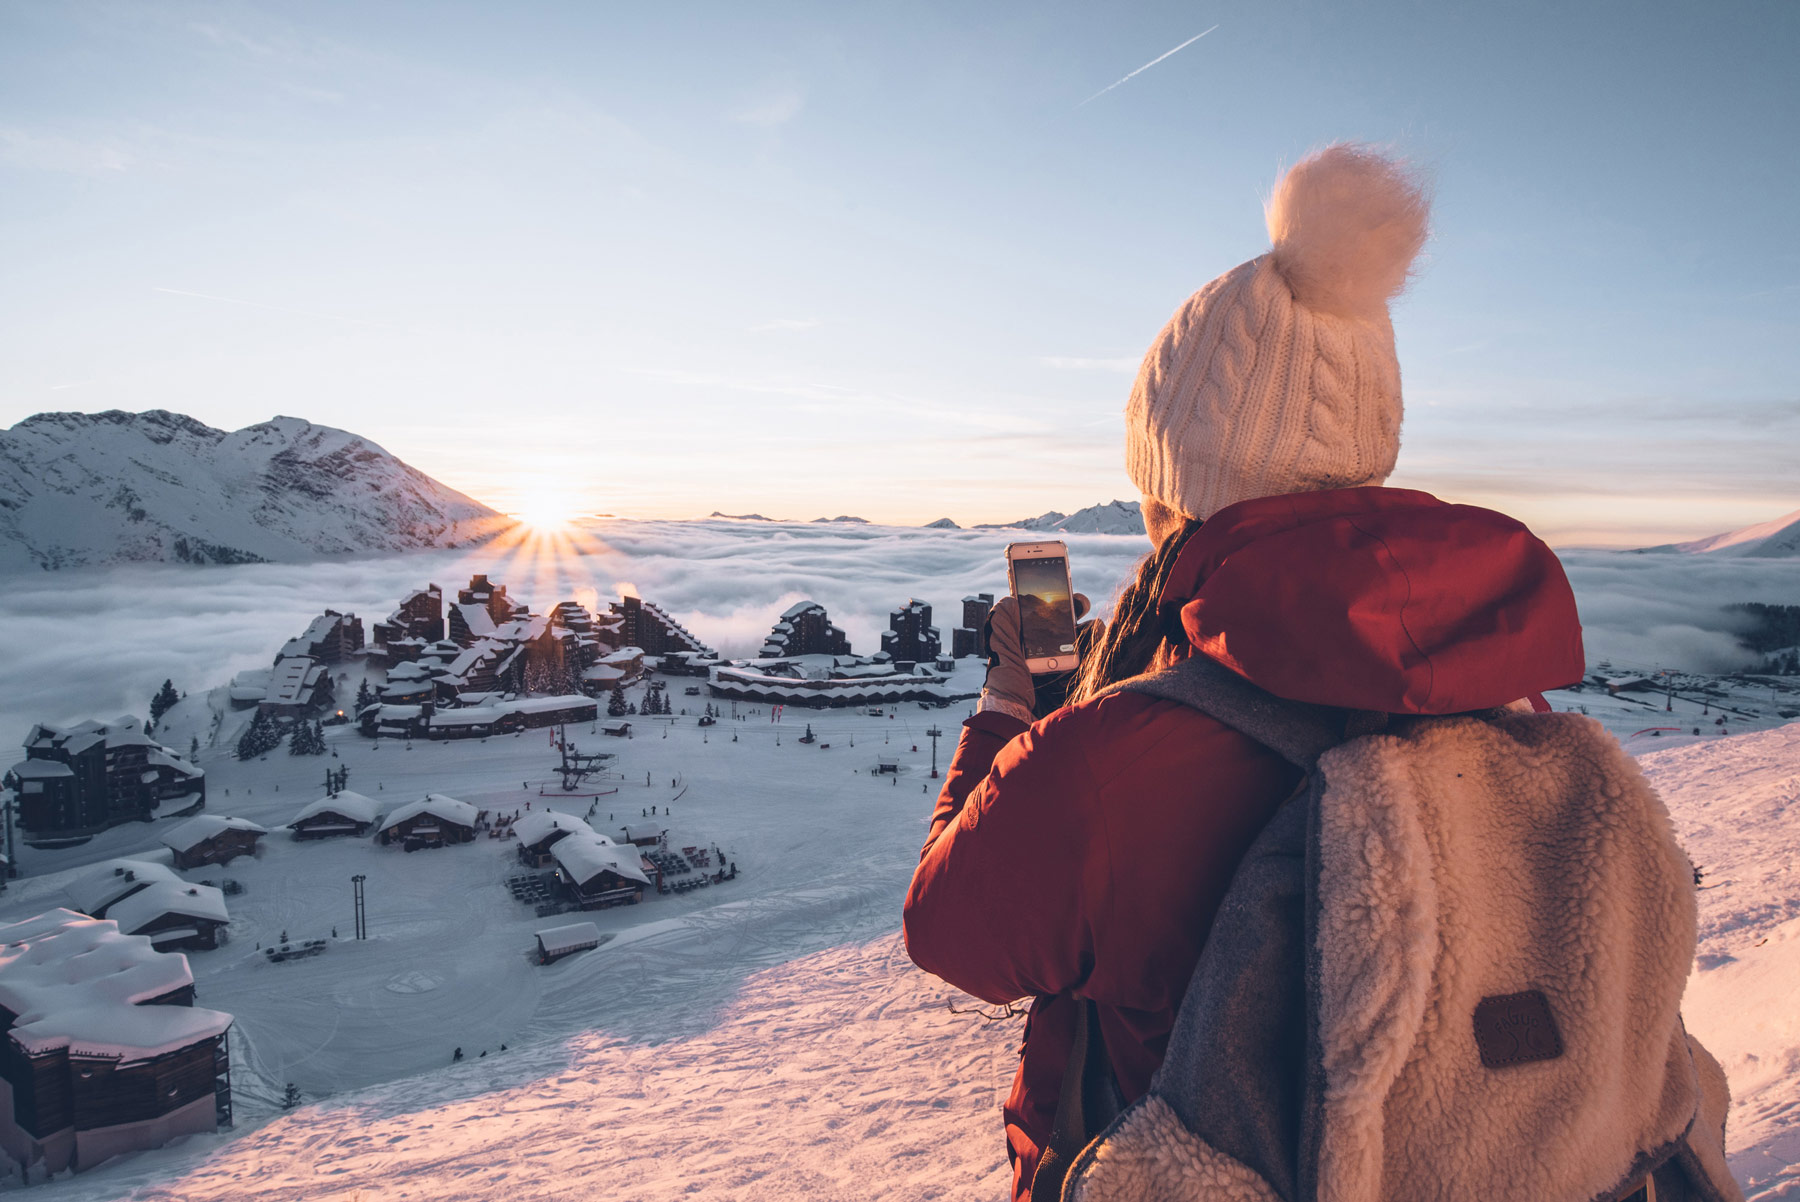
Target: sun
547, 511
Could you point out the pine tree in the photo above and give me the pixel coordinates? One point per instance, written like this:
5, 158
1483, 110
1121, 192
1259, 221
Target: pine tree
308, 739
194, 749
291, 1098
615, 708
365, 696
163, 702
262, 735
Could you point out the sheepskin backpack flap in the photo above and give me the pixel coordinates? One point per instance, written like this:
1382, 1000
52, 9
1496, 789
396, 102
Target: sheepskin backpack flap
1449, 970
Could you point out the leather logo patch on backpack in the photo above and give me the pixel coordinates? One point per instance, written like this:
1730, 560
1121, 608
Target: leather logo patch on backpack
1516, 1028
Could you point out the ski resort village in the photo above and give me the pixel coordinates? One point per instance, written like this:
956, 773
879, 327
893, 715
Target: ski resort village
444, 837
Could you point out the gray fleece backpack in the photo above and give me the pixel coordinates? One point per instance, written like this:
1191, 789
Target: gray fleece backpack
1449, 969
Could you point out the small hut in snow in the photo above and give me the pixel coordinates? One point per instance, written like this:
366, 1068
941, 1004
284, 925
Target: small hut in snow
539, 830
104, 1051
557, 942
599, 872
212, 839
644, 834
177, 917
345, 814
94, 891
430, 823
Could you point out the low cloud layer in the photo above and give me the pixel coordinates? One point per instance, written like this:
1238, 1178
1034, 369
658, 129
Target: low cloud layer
96, 643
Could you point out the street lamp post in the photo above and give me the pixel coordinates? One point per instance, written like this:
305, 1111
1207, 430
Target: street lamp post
362, 916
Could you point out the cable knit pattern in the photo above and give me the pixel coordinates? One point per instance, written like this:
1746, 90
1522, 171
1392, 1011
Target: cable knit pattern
1250, 392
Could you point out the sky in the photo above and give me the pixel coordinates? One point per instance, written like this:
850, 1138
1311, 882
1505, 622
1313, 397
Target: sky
897, 260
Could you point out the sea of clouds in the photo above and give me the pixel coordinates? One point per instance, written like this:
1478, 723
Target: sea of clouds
97, 642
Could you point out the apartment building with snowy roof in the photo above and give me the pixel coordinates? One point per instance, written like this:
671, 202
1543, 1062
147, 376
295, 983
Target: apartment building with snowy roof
81, 779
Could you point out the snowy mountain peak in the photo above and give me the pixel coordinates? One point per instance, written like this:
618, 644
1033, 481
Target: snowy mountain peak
1777, 539
94, 488
1114, 517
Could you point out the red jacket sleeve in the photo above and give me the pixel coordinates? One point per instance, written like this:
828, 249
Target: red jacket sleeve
1001, 902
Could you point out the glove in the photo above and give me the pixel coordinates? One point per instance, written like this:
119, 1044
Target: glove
1011, 688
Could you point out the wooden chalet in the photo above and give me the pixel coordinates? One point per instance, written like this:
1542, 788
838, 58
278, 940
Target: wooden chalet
433, 822
556, 942
599, 872
176, 917
212, 839
345, 813
641, 834
506, 717
101, 1046
97, 890
540, 830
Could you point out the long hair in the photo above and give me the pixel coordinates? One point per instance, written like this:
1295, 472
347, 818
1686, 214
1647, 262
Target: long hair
1140, 629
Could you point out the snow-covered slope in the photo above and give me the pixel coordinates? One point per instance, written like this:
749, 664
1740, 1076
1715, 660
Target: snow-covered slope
1115, 517
844, 1072
1777, 539
94, 488
1736, 806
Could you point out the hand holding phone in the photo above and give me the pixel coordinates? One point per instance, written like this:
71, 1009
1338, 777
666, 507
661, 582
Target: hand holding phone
1038, 574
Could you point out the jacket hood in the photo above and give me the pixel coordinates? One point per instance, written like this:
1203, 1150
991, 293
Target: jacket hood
1378, 599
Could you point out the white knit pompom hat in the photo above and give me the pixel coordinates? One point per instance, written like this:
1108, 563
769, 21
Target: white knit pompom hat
1280, 375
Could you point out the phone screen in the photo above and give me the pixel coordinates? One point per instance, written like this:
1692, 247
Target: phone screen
1046, 609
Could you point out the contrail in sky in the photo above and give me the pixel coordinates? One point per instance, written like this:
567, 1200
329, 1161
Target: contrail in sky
1159, 58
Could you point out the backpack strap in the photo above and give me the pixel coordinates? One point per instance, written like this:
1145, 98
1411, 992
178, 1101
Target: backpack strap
1296, 730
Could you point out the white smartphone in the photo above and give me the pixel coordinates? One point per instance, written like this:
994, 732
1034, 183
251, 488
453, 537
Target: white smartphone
1039, 576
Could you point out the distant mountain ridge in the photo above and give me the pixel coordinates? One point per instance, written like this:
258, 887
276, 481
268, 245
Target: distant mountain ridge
1114, 517
1777, 539
96, 488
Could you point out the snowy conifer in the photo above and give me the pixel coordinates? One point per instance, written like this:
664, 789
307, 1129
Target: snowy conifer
163, 702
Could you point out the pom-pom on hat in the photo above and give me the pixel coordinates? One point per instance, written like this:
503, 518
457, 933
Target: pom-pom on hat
1280, 376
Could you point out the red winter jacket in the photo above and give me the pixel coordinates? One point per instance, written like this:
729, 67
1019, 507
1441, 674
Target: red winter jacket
1085, 856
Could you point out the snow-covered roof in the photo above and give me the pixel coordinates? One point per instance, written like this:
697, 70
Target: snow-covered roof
445, 809
123, 731
291, 678
635, 831
624, 655
76, 982
107, 882
585, 858
400, 713
168, 897
539, 825
798, 608
603, 674
408, 671
199, 829
476, 618
484, 715
573, 937
162, 757
351, 805
41, 769
548, 705
474, 715
618, 726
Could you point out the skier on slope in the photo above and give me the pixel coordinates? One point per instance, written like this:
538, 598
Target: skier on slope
1079, 853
